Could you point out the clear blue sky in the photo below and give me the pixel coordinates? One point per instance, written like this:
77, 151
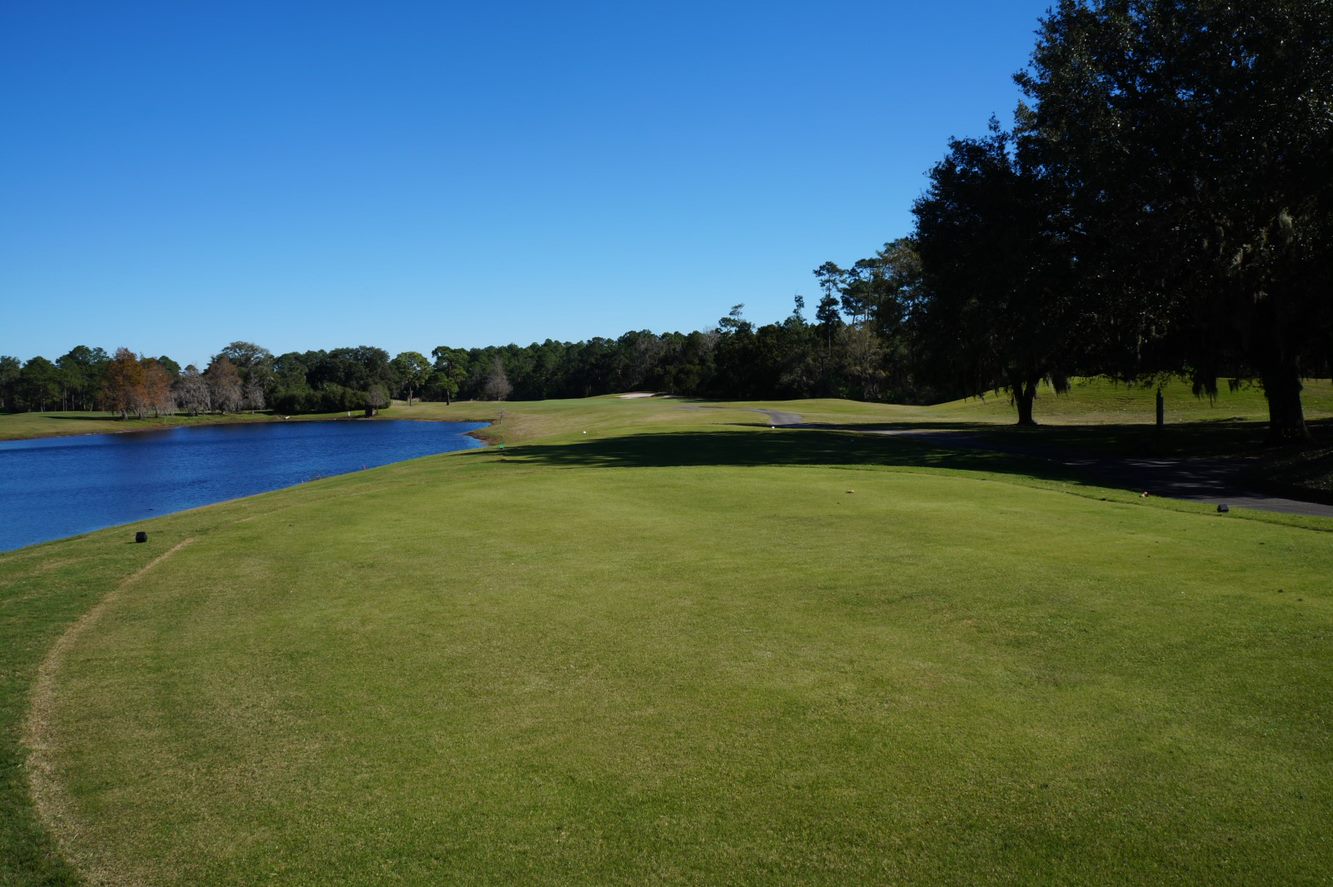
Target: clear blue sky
177, 175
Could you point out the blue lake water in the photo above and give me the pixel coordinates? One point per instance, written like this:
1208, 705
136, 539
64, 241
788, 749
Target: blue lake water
60, 486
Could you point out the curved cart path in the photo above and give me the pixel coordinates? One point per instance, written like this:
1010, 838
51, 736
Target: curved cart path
1209, 481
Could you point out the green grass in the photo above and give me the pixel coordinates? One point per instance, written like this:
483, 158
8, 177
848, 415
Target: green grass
1099, 401
1097, 417
683, 648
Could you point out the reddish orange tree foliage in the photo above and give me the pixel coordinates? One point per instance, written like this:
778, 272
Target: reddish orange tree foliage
156, 395
124, 386
137, 385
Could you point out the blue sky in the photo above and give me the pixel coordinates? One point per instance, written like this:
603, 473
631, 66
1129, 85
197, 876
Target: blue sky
178, 175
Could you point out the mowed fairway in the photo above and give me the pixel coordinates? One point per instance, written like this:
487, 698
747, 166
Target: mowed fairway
633, 659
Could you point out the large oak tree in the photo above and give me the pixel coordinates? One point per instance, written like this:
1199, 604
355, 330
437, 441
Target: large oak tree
1194, 139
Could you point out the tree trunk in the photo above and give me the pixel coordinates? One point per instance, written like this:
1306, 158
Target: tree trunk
1286, 419
1024, 394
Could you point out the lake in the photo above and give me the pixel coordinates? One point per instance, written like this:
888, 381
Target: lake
61, 486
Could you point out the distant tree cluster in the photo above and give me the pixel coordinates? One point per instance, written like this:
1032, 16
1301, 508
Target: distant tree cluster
87, 379
790, 358
242, 376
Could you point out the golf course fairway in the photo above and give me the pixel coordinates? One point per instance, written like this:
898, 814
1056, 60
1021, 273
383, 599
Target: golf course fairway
684, 648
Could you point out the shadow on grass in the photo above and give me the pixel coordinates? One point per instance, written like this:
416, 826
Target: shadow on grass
1101, 456
1224, 438
1210, 458
810, 447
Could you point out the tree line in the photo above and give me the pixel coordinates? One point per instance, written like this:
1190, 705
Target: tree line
1161, 205
242, 376
792, 358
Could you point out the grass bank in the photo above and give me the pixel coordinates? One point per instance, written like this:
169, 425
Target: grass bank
25, 426
680, 647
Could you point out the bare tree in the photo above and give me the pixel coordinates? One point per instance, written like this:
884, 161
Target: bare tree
497, 385
191, 391
224, 385
156, 395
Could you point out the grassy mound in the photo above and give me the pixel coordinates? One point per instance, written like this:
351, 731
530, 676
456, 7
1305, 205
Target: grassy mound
674, 650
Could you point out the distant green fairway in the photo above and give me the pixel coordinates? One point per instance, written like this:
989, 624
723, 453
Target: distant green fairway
682, 647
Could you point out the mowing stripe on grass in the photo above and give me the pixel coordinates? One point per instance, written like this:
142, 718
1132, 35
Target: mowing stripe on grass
48, 793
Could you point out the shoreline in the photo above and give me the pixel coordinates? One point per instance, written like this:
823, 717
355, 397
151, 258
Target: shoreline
149, 424
481, 444
209, 420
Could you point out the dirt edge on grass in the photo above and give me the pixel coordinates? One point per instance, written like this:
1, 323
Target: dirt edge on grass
49, 798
